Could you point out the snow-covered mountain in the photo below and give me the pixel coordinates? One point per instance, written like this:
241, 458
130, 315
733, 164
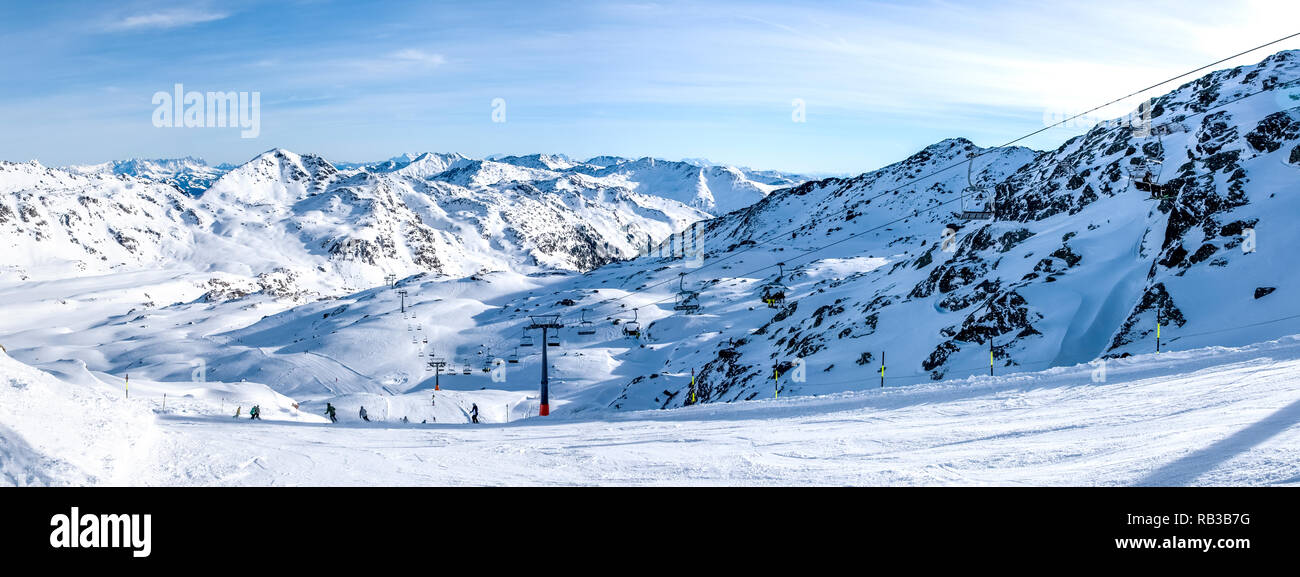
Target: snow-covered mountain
1076, 265
328, 228
191, 175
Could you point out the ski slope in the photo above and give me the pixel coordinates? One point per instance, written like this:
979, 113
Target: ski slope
1216, 416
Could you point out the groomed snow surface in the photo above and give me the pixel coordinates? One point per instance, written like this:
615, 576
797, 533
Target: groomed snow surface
1216, 416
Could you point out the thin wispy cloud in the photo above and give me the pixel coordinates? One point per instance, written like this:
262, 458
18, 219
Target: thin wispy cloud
420, 57
167, 19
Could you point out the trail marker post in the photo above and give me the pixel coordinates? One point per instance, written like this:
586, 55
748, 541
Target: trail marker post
692, 386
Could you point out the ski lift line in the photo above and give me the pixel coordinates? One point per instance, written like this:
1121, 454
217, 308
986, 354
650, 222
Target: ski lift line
914, 214
1152, 87
1237, 328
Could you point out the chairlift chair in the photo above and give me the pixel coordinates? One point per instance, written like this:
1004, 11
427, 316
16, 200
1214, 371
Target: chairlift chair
773, 295
466, 371
1145, 176
585, 327
687, 301
774, 292
526, 341
632, 328
976, 201
514, 357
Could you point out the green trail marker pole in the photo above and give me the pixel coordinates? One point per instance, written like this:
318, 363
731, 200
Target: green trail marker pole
990, 356
128, 386
882, 369
776, 382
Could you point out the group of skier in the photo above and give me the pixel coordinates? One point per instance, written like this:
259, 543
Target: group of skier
255, 413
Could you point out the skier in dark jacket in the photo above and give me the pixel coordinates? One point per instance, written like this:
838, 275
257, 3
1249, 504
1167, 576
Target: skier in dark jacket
473, 412
363, 415
329, 410
255, 413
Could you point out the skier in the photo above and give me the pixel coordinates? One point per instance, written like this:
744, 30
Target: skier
329, 410
237, 410
363, 415
473, 413
405, 420
255, 413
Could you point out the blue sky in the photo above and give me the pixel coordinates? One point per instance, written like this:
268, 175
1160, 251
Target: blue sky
365, 81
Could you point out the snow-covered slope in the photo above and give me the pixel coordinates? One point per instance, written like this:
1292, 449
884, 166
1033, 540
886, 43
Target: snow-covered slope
1218, 416
99, 437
